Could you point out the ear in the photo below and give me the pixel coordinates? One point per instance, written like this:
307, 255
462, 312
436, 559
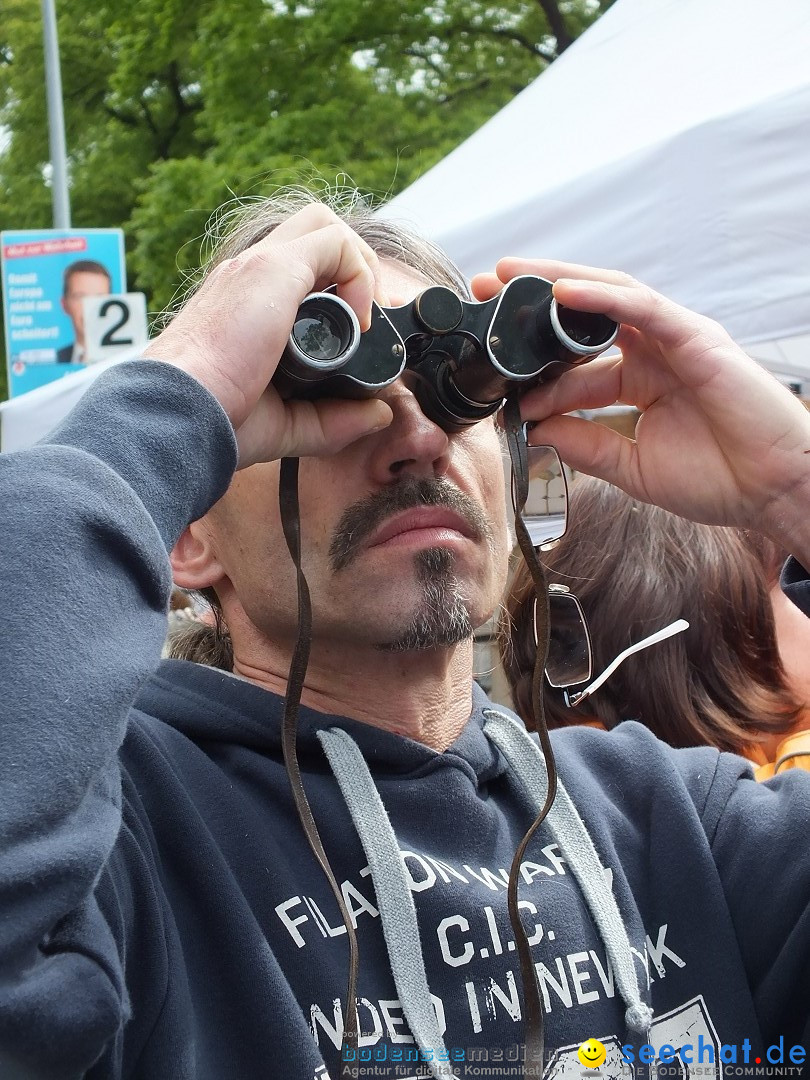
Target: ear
195, 564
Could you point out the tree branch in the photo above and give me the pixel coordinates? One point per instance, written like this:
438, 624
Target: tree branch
182, 108
182, 105
122, 117
557, 24
162, 136
480, 84
147, 115
513, 36
428, 61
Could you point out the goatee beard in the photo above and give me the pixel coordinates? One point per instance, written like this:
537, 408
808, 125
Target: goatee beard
441, 618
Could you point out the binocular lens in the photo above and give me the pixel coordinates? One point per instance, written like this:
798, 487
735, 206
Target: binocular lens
323, 331
582, 331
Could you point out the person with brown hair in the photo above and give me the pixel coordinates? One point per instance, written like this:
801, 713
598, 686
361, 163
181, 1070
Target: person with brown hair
636, 568
164, 910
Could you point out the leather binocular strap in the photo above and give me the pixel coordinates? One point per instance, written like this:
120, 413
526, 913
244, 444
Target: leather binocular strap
291, 524
290, 517
534, 1025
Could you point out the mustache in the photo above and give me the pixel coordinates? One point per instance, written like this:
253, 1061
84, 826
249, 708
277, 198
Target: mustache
363, 518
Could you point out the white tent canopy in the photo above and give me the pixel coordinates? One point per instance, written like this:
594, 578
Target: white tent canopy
29, 417
671, 140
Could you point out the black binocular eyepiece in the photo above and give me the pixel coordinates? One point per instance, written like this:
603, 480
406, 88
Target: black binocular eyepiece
466, 357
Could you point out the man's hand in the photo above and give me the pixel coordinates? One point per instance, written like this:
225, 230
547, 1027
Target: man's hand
232, 332
719, 439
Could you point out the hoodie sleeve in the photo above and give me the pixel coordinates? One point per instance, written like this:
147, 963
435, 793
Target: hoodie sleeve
760, 841
88, 517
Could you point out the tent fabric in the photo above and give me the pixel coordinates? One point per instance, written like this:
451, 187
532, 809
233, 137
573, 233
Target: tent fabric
672, 141
27, 418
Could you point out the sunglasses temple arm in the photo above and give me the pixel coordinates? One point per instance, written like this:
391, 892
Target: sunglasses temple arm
572, 700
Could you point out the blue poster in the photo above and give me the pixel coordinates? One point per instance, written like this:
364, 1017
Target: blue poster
46, 275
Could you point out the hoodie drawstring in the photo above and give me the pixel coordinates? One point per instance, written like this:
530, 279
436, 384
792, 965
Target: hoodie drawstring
568, 829
397, 910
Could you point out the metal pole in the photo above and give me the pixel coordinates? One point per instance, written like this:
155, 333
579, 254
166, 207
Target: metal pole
56, 119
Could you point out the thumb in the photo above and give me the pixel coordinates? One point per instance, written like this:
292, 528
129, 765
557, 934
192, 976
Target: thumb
325, 426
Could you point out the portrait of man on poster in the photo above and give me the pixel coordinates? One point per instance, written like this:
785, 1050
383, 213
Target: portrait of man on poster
82, 278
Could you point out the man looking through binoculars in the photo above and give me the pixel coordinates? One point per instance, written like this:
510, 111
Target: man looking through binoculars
165, 915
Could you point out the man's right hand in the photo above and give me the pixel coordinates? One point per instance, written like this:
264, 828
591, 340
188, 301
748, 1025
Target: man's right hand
232, 332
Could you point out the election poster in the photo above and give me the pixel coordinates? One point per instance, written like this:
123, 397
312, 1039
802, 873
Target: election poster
46, 276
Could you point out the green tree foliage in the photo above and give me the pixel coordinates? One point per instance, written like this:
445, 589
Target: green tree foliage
171, 108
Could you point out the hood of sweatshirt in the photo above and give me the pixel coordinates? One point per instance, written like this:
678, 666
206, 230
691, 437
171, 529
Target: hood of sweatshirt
211, 706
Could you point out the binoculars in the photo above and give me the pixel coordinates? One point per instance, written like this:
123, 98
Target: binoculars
465, 357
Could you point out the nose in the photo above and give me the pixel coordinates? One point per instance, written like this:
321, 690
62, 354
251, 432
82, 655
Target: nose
412, 445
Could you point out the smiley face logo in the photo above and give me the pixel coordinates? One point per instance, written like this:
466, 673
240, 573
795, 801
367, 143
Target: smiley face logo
592, 1054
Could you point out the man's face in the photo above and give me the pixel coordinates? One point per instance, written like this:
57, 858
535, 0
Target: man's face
404, 533
81, 284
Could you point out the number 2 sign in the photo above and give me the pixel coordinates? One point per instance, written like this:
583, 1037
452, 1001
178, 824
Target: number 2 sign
114, 324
